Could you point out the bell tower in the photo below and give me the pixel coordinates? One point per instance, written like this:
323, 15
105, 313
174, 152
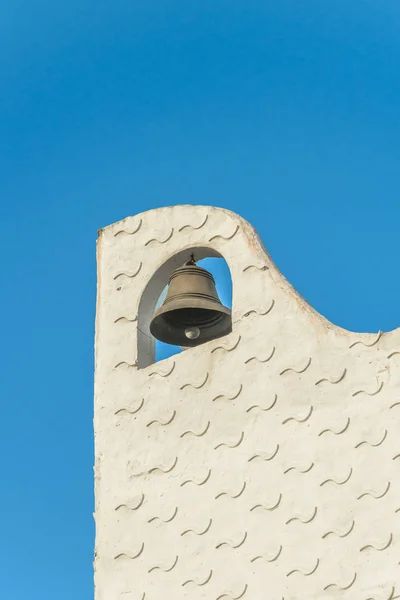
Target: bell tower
262, 462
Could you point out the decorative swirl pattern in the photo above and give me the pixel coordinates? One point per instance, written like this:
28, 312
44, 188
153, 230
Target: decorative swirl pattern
255, 311
198, 483
200, 434
373, 495
161, 469
345, 428
231, 596
233, 496
371, 444
391, 596
232, 544
206, 530
120, 231
306, 574
265, 457
384, 547
157, 241
261, 408
298, 371
395, 404
341, 587
304, 521
256, 268
129, 275
128, 411
163, 423
394, 353
223, 237
125, 319
152, 519
369, 393
125, 364
164, 470
345, 480
269, 508
161, 374
164, 569
305, 470
261, 360
273, 559
199, 582
339, 534
234, 445
225, 348
196, 386
230, 398
378, 337
193, 226
334, 380
130, 556
134, 506
299, 419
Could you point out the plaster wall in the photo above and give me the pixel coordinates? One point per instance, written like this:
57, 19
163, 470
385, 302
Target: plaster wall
264, 465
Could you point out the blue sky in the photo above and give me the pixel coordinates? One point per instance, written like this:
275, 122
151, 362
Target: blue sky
285, 112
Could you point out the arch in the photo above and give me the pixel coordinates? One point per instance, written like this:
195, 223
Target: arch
151, 294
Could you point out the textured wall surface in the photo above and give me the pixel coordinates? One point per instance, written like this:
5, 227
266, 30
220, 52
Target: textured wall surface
264, 465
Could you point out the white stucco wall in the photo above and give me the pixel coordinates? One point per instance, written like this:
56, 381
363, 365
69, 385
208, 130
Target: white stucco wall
264, 465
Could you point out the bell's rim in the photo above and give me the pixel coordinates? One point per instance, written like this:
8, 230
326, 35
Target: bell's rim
191, 301
168, 335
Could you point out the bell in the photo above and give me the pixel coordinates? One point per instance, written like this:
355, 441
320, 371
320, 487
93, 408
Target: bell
192, 312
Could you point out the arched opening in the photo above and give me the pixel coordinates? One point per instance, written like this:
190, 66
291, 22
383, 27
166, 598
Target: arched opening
151, 350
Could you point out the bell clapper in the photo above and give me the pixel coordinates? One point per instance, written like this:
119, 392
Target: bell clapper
192, 333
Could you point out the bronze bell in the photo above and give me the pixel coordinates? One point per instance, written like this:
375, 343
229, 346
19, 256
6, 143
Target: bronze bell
192, 312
